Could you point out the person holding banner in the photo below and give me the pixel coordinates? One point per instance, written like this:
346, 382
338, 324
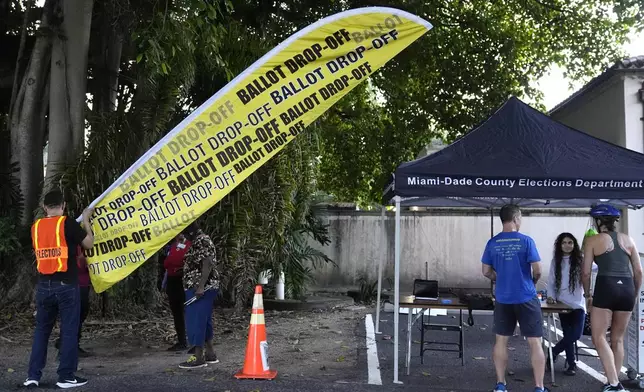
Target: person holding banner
84, 285
55, 240
201, 284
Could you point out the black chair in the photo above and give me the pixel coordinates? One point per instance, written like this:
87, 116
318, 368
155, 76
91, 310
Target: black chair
586, 332
577, 354
445, 328
429, 289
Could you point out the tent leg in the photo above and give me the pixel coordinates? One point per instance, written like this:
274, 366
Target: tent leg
397, 290
492, 236
384, 237
491, 222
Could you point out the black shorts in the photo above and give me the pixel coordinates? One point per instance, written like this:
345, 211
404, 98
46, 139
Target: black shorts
528, 314
614, 293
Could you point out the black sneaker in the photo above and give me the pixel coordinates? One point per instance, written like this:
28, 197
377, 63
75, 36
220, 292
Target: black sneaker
608, 387
73, 382
178, 347
571, 371
29, 383
212, 359
193, 363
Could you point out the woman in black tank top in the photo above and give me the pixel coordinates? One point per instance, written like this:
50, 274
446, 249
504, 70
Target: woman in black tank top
619, 277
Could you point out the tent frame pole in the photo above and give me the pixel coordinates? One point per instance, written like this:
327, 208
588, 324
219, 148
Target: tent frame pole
397, 290
491, 222
384, 241
492, 236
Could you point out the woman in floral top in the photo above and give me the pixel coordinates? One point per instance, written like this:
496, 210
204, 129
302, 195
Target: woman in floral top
200, 280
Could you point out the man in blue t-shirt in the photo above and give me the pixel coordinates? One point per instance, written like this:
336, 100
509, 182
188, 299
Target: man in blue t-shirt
512, 261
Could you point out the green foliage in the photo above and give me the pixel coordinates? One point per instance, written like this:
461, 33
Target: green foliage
9, 243
478, 53
368, 292
165, 47
266, 221
175, 34
293, 254
15, 257
10, 198
176, 54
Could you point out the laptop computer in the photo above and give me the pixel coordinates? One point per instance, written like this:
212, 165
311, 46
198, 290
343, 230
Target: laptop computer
425, 289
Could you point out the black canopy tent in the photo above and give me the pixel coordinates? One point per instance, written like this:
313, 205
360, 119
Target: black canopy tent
517, 155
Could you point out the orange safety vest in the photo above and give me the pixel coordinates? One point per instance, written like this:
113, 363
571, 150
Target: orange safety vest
50, 246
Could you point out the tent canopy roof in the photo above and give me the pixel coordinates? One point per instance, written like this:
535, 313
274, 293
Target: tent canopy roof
521, 155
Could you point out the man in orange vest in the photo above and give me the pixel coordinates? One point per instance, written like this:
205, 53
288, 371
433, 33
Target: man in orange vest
55, 240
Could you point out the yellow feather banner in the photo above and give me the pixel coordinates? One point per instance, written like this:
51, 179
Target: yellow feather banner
238, 130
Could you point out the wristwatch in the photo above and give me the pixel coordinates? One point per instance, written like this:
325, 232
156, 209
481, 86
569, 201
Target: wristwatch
588, 295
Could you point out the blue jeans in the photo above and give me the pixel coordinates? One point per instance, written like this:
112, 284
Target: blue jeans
572, 325
52, 298
199, 317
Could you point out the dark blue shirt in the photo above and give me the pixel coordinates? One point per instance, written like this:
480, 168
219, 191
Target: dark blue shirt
510, 254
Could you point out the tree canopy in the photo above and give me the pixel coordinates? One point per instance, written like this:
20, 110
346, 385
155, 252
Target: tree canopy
98, 83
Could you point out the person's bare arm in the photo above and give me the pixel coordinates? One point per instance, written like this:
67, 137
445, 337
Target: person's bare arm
536, 271
550, 285
587, 267
88, 241
206, 268
637, 267
489, 272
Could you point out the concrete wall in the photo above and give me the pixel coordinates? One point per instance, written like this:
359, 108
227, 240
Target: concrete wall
450, 243
613, 112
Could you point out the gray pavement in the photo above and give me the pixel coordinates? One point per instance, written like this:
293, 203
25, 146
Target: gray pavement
443, 370
217, 383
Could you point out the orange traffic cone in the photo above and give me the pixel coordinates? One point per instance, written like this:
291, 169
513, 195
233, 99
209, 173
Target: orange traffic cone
256, 361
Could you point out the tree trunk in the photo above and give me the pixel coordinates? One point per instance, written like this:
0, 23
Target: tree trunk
39, 138
76, 25
21, 51
60, 137
107, 67
26, 144
68, 86
20, 293
27, 119
113, 64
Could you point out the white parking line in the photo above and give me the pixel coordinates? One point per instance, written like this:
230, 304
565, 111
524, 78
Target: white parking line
373, 365
581, 365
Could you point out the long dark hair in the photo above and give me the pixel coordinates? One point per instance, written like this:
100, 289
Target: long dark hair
609, 222
575, 262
